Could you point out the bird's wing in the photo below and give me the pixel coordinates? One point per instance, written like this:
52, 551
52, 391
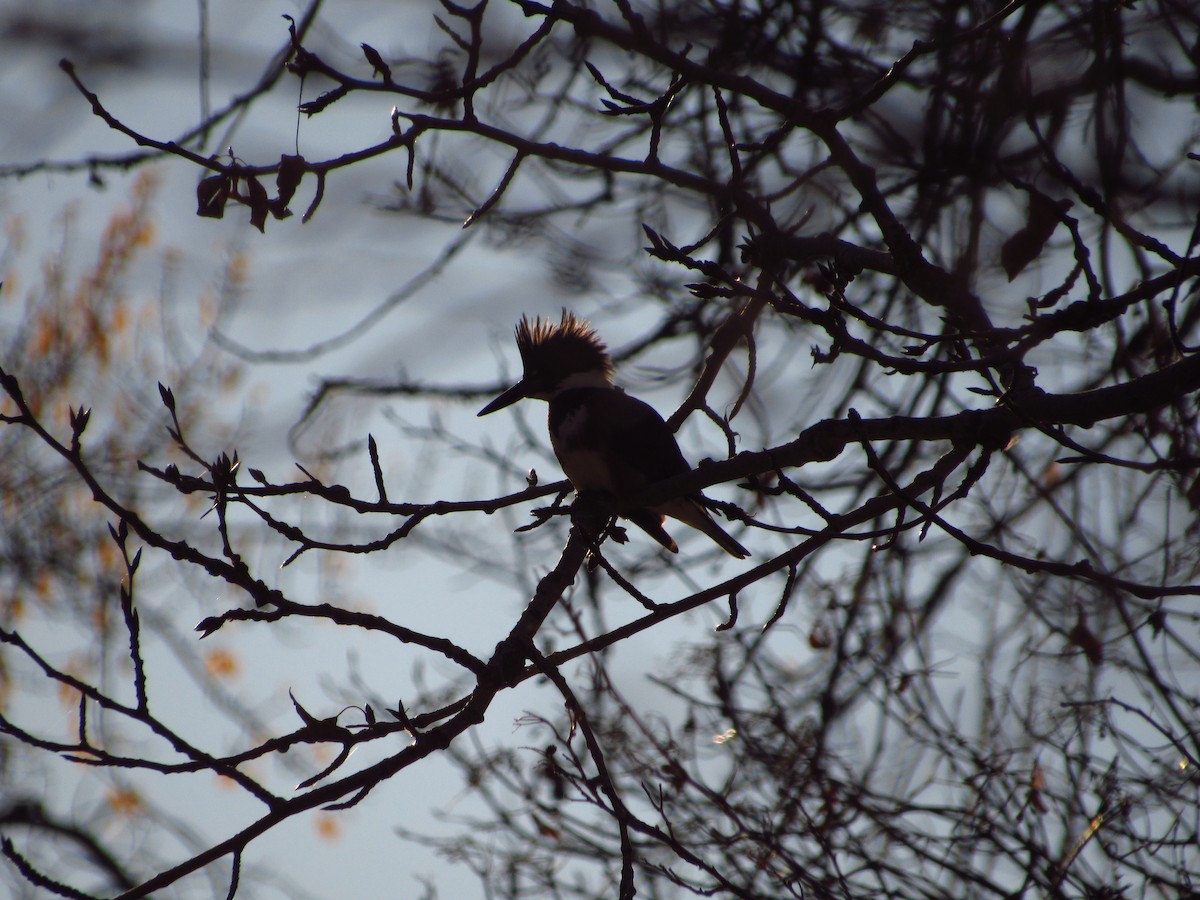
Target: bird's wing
648, 446
639, 449
642, 445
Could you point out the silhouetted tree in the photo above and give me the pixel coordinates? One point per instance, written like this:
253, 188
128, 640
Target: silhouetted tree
927, 272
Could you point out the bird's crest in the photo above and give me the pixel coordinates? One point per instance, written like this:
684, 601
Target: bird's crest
570, 345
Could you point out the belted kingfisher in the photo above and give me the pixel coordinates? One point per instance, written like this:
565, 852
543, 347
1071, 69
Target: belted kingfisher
605, 440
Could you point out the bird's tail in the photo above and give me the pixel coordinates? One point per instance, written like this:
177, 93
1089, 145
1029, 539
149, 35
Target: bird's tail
651, 522
690, 512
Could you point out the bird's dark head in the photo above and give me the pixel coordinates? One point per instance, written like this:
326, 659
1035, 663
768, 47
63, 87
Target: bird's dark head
556, 356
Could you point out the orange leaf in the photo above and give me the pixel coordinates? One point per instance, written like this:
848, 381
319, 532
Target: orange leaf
328, 828
221, 664
124, 801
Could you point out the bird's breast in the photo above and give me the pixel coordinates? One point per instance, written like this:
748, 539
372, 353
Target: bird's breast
579, 443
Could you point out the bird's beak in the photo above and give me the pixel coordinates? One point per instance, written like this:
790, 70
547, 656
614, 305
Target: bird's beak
517, 392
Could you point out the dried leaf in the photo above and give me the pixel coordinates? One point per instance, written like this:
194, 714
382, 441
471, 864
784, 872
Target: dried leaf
211, 194
1026, 245
377, 64
1087, 641
291, 170
259, 203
